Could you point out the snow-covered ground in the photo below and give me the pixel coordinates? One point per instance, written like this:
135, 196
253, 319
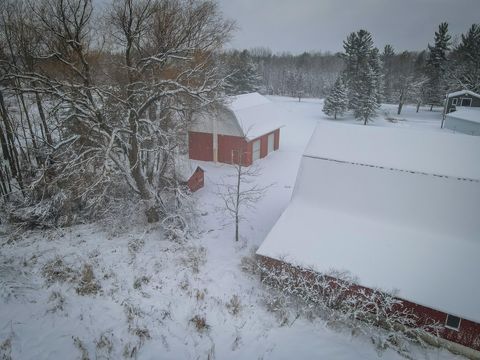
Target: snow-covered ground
154, 292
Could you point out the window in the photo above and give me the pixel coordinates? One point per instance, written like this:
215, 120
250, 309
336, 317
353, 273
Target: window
466, 102
454, 101
452, 322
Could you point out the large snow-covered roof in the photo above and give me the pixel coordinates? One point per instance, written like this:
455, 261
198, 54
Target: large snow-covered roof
434, 153
248, 115
463, 92
469, 114
360, 205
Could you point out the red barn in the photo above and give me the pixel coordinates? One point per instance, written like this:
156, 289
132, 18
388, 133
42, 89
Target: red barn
248, 125
398, 209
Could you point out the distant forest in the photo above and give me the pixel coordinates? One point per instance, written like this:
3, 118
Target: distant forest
406, 76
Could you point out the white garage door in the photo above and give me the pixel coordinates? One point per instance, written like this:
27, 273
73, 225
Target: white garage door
271, 142
256, 150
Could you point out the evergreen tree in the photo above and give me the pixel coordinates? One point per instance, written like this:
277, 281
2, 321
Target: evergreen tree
436, 86
362, 75
465, 72
336, 102
242, 75
388, 63
367, 96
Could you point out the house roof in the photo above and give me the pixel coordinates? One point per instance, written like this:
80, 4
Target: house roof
463, 113
463, 92
358, 205
248, 115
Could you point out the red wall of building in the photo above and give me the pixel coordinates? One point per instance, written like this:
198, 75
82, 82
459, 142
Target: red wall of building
264, 142
468, 333
264, 146
200, 146
229, 148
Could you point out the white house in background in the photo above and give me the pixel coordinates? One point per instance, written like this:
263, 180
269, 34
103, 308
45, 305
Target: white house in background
399, 209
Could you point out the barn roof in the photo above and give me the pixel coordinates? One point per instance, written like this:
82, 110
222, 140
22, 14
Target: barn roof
463, 113
436, 153
360, 205
463, 92
255, 114
248, 115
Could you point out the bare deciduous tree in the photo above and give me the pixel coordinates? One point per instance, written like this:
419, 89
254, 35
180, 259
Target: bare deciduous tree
120, 95
240, 191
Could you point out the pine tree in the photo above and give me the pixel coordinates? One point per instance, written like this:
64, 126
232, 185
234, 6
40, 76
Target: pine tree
366, 99
242, 75
436, 85
362, 75
336, 103
387, 58
465, 72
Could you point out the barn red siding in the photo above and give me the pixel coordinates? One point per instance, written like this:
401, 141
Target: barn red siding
200, 146
196, 181
264, 142
263, 146
277, 139
467, 335
229, 147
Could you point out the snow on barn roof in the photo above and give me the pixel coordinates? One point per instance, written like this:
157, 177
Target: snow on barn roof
255, 114
434, 153
248, 115
360, 205
463, 92
463, 113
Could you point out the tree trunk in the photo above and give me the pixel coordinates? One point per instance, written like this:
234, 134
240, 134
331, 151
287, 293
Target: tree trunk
10, 144
365, 121
46, 131
237, 204
418, 106
431, 107
335, 114
400, 106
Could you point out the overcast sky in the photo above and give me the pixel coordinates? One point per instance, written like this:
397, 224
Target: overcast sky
300, 25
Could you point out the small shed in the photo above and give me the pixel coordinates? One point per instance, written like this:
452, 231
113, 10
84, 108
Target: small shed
464, 120
405, 218
190, 174
245, 129
461, 99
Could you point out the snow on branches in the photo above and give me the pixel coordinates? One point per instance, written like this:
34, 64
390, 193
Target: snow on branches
336, 297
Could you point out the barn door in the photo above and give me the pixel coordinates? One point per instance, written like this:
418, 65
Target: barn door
271, 142
256, 150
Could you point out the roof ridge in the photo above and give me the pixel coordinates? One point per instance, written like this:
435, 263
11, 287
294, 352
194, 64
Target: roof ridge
392, 168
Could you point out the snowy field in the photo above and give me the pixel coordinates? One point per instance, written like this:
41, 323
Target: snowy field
151, 298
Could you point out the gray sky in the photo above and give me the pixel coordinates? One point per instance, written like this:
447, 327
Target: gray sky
299, 25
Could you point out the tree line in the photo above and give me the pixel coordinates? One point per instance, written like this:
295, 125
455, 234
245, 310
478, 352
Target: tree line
370, 77
362, 76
